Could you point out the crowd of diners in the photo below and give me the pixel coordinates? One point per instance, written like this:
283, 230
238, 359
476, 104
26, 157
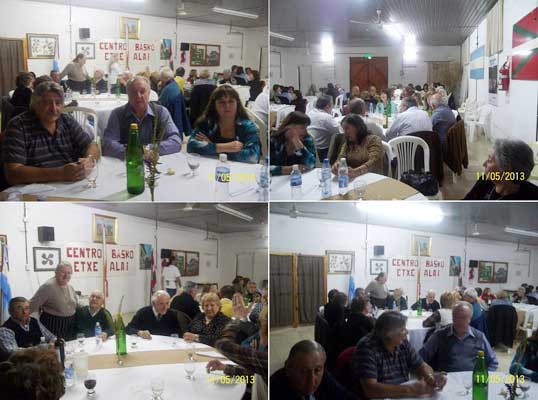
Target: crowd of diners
367, 354
304, 138
232, 319
40, 143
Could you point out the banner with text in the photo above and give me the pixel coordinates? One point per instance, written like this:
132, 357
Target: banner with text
140, 53
87, 259
406, 268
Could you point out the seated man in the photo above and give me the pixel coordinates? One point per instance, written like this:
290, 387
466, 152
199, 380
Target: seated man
428, 303
358, 106
323, 125
471, 296
171, 97
410, 120
185, 301
21, 330
100, 84
252, 291
139, 111
87, 317
442, 117
304, 376
156, 319
55, 75
44, 145
454, 347
383, 360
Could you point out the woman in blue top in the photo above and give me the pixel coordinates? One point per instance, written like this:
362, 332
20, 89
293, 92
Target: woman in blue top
292, 145
224, 127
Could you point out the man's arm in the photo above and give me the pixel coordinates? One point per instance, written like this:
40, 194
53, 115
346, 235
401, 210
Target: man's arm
171, 142
429, 349
49, 336
17, 174
134, 326
373, 389
111, 138
491, 358
7, 338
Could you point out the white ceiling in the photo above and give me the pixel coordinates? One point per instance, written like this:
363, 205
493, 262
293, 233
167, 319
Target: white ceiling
459, 218
203, 215
197, 10
434, 22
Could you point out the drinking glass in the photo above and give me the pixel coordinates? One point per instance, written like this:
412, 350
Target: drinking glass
134, 341
193, 160
157, 388
92, 172
524, 386
80, 339
190, 367
190, 349
89, 383
175, 338
359, 188
467, 385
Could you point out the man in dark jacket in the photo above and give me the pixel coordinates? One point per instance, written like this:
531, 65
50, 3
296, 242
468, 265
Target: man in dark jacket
428, 303
185, 301
87, 317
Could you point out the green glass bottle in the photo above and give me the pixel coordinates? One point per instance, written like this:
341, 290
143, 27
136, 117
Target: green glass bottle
419, 307
121, 341
389, 109
118, 88
134, 159
480, 378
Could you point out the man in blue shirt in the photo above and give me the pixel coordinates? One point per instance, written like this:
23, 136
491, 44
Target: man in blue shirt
171, 97
139, 111
442, 118
454, 347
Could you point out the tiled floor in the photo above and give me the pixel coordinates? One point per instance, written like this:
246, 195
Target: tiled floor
282, 339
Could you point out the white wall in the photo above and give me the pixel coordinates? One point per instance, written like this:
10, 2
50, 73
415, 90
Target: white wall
73, 223
338, 72
315, 236
18, 18
515, 115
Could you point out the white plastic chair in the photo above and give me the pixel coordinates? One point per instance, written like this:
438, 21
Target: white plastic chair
283, 113
81, 115
262, 128
390, 156
455, 113
339, 102
405, 147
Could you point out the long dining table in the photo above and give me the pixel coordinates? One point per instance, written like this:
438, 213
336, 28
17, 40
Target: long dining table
161, 357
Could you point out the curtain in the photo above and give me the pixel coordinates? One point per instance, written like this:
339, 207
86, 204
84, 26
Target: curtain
494, 42
465, 51
281, 304
309, 287
12, 62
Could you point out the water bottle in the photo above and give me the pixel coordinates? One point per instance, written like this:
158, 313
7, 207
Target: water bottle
394, 108
343, 177
43, 343
222, 179
296, 183
98, 332
326, 190
69, 372
264, 181
371, 110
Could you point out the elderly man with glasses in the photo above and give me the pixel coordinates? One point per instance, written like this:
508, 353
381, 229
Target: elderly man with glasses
87, 317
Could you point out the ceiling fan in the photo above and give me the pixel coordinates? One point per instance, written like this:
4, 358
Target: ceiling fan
295, 213
378, 22
481, 228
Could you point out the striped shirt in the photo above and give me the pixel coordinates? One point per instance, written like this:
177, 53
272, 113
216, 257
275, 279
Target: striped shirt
27, 142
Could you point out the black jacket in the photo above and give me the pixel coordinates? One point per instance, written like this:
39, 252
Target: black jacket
101, 85
199, 99
485, 190
502, 324
185, 303
427, 307
144, 320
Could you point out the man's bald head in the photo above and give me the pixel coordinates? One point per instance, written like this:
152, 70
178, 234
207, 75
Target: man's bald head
305, 367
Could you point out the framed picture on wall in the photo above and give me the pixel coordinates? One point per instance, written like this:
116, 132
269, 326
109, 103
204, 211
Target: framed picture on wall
146, 250
485, 272
177, 258
205, 55
192, 263
88, 49
422, 243
42, 45
166, 49
378, 265
500, 272
340, 262
3, 239
46, 258
111, 228
455, 266
3, 242
131, 26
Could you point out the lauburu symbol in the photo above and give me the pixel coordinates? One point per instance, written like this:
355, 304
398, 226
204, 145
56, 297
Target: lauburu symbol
47, 259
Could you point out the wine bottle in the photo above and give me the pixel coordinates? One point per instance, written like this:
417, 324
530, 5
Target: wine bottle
121, 340
480, 378
134, 159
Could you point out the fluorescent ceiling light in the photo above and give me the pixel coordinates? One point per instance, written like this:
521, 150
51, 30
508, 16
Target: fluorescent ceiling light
234, 213
281, 36
327, 48
409, 212
394, 30
520, 232
234, 13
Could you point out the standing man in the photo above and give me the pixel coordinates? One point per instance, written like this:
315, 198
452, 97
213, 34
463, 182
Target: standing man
170, 278
377, 290
56, 302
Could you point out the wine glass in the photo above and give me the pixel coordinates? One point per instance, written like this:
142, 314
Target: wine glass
190, 367
175, 338
359, 187
157, 388
134, 342
190, 349
92, 172
193, 160
80, 339
89, 383
467, 385
524, 386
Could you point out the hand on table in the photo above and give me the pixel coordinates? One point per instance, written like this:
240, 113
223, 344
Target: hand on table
104, 336
234, 147
420, 388
201, 137
335, 167
144, 334
191, 337
215, 365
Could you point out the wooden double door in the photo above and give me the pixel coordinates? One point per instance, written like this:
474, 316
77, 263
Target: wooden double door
365, 73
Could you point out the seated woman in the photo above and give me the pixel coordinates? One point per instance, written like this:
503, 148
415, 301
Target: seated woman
443, 316
363, 151
292, 145
224, 127
506, 172
525, 360
207, 327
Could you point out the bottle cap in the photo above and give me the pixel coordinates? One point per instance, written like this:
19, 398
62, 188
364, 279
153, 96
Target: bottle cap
342, 159
223, 157
295, 167
134, 126
480, 353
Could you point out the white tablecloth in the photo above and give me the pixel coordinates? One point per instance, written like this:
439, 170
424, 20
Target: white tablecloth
112, 182
103, 106
281, 189
417, 332
133, 383
454, 388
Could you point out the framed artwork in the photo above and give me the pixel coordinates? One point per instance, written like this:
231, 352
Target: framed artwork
132, 26
192, 263
340, 262
146, 251
3, 239
3, 242
177, 258
485, 272
422, 243
455, 266
378, 265
42, 45
88, 49
111, 228
166, 49
46, 258
204, 55
500, 272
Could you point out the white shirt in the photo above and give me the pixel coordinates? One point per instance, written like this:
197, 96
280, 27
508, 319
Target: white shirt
410, 121
115, 70
322, 127
261, 105
170, 274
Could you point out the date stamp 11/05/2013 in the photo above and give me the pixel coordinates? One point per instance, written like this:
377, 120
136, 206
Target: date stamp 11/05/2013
501, 176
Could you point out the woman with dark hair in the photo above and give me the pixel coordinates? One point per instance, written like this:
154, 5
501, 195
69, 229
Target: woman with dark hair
193, 76
525, 360
240, 76
332, 91
292, 145
23, 92
77, 76
363, 151
224, 127
425, 88
299, 101
255, 85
